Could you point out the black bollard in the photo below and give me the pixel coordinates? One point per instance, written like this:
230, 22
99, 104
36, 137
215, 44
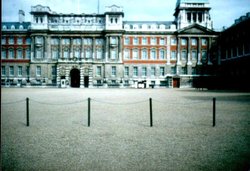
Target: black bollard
214, 111
151, 112
88, 112
27, 112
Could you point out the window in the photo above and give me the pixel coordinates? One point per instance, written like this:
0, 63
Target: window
162, 41
162, 54
194, 42
194, 72
66, 53
173, 55
173, 41
173, 70
144, 40
135, 41
39, 40
113, 71
66, 41
3, 71
162, 71
19, 40
38, 53
153, 71
28, 41
135, 71
184, 70
27, 53
153, 54
99, 54
3, 54
183, 42
55, 41
126, 41
98, 71
77, 53
19, 53
11, 54
99, 42
126, 54
55, 54
144, 54
153, 41
88, 53
28, 70
20, 71
11, 40
77, 41
3, 40
38, 71
53, 70
11, 70
194, 55
184, 55
144, 71
203, 42
126, 71
135, 54
113, 54
204, 55
113, 40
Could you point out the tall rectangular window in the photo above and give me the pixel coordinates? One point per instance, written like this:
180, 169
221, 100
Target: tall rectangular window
135, 54
39, 53
3, 71
135, 71
126, 41
19, 40
66, 41
11, 54
194, 42
113, 70
113, 40
183, 42
153, 54
55, 41
66, 53
99, 54
184, 55
144, 41
113, 54
27, 53
38, 71
98, 71
194, 55
153, 41
77, 53
173, 41
77, 41
20, 71
11, 70
144, 54
20, 54
162, 54
162, 41
135, 41
162, 71
28, 41
88, 53
173, 55
203, 42
204, 55
3, 53
55, 54
11, 40
3, 40
126, 71
126, 54
153, 71
173, 70
53, 70
144, 71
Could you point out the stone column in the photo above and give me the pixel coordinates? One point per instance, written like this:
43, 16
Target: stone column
199, 51
168, 50
189, 51
107, 48
32, 49
48, 46
60, 48
82, 49
120, 49
45, 48
71, 48
93, 49
58, 78
208, 51
178, 51
81, 77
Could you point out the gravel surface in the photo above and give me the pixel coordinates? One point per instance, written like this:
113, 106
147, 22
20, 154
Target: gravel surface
120, 136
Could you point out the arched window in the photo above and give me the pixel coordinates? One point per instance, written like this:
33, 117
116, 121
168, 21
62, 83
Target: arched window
21, 27
12, 27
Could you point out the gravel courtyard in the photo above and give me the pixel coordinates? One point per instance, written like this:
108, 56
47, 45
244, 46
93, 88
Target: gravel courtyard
120, 137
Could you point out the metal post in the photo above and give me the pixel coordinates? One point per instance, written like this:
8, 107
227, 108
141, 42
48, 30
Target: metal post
27, 112
151, 112
214, 111
88, 112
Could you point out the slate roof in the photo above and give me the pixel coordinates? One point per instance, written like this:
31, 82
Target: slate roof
9, 25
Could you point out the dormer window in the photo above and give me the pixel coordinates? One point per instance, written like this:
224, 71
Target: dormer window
21, 27
4, 27
12, 27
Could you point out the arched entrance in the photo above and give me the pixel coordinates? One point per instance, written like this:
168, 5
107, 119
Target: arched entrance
75, 78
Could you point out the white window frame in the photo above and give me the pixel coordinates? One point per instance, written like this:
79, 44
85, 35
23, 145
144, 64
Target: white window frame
113, 71
173, 41
19, 71
126, 71
3, 68
153, 54
19, 54
135, 41
3, 54
153, 71
126, 41
144, 71
11, 54
135, 71
98, 71
194, 42
173, 55
162, 41
19, 40
126, 54
38, 71
11, 40
162, 71
153, 41
144, 41
135, 54
162, 54
144, 54
11, 71
99, 54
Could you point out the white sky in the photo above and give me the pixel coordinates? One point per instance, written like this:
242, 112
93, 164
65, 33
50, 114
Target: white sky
223, 12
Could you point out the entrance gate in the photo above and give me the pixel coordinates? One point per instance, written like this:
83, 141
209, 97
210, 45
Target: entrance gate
75, 78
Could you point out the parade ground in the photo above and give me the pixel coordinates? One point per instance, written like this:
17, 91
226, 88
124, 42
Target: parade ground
112, 130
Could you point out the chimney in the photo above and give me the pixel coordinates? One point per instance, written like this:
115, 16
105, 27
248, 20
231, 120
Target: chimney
21, 16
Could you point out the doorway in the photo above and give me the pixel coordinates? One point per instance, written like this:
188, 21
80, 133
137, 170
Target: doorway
86, 81
75, 78
176, 82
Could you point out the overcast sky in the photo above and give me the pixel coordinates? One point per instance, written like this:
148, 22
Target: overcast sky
223, 12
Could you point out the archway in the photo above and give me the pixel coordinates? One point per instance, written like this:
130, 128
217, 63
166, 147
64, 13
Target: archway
75, 78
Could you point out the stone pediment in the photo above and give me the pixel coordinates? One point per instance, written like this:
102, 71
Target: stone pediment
195, 29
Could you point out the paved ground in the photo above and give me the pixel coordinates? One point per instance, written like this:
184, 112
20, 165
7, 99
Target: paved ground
120, 137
